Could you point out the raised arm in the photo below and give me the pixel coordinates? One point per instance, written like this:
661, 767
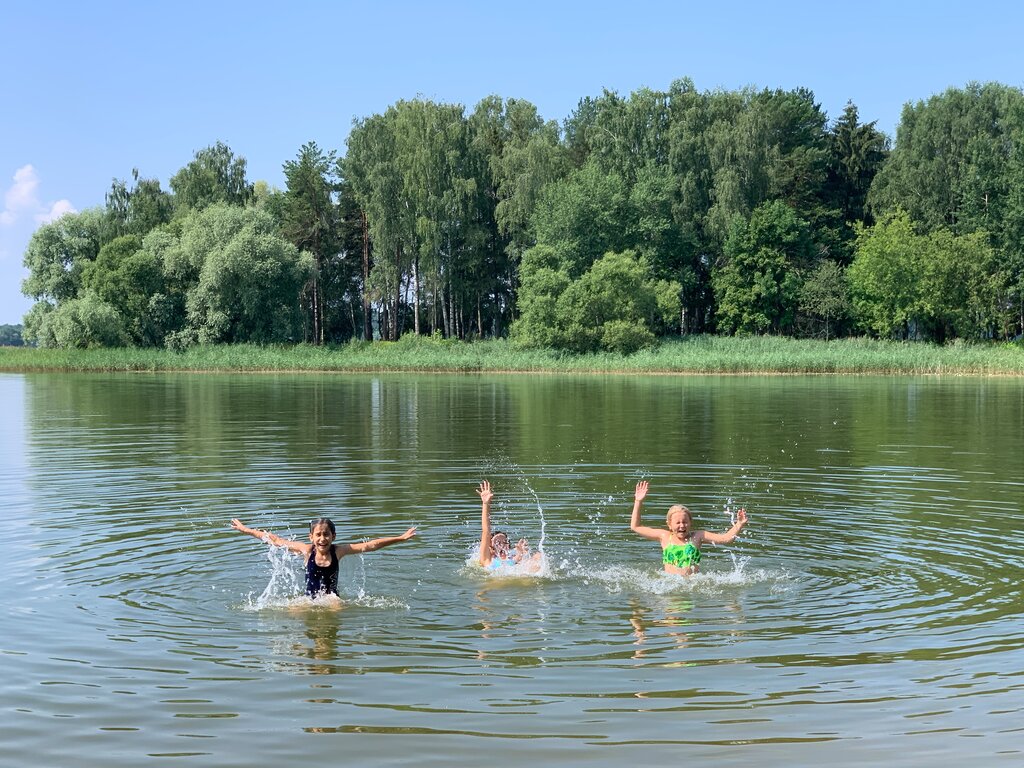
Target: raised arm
634, 521
271, 538
486, 494
374, 544
731, 534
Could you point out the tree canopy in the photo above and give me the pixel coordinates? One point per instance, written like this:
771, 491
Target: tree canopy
638, 217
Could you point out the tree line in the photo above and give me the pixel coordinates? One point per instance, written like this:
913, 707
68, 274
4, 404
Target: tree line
636, 218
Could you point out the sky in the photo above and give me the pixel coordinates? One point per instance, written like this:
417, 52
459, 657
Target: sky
92, 90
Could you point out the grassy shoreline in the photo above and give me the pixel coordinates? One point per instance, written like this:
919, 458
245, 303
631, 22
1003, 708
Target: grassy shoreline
692, 355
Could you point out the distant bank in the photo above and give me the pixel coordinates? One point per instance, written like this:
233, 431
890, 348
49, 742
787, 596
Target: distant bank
691, 355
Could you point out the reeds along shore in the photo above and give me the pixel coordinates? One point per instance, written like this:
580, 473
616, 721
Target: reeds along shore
691, 355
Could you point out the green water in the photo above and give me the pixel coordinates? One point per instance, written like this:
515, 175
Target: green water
870, 612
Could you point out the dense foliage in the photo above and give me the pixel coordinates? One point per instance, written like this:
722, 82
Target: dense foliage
638, 218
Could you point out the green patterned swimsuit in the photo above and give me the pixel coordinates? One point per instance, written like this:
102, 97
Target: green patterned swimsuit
680, 555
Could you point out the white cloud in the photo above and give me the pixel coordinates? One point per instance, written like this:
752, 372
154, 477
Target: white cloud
22, 200
57, 210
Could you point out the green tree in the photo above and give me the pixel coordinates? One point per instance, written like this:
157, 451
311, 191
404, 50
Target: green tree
544, 278
127, 278
758, 283
215, 175
617, 305
936, 286
857, 151
309, 219
136, 210
58, 252
583, 216
372, 173
825, 296
11, 336
85, 321
241, 279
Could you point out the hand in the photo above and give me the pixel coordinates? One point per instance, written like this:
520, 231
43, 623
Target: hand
741, 516
641, 491
408, 534
238, 525
485, 493
523, 547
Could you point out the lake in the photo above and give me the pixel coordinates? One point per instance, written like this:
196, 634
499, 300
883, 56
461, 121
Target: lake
870, 612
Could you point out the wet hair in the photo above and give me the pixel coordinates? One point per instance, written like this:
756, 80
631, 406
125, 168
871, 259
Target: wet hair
677, 508
322, 521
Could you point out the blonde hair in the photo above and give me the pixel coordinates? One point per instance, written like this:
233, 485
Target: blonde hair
677, 508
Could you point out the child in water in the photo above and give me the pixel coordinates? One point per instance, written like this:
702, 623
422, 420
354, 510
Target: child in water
680, 544
321, 555
494, 547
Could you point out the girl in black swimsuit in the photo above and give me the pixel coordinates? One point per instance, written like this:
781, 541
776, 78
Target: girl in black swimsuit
321, 555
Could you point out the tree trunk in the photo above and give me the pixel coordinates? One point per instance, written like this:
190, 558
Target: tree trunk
398, 293
318, 331
416, 294
367, 323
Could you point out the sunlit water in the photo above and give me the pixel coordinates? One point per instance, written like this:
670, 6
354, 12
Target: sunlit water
870, 612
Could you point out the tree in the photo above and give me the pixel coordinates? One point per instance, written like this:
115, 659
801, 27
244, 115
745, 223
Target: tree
936, 285
58, 252
215, 175
11, 336
583, 216
83, 322
824, 295
126, 277
857, 151
617, 305
241, 279
883, 276
137, 210
371, 171
758, 283
309, 219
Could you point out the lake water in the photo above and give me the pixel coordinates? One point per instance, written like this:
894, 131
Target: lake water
871, 611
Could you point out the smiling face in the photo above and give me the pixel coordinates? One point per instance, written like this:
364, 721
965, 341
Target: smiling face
679, 521
499, 545
321, 534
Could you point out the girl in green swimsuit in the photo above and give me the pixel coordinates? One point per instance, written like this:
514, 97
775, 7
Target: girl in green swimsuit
680, 544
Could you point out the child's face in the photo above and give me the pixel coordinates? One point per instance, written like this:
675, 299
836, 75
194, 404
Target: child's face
321, 536
499, 543
679, 523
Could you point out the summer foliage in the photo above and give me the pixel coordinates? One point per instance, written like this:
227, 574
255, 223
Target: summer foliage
659, 214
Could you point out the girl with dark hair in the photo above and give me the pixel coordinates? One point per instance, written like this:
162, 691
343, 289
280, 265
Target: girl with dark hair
321, 555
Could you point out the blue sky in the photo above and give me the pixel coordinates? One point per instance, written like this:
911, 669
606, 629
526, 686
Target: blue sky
92, 90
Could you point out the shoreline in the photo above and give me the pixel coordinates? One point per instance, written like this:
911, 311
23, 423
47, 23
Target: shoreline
689, 356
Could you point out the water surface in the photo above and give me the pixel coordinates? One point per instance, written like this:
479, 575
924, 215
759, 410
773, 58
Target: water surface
870, 612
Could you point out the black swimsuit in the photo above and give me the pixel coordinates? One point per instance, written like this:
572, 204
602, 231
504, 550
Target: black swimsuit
322, 579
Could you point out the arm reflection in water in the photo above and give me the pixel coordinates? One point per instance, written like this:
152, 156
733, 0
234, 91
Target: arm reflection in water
322, 630
672, 619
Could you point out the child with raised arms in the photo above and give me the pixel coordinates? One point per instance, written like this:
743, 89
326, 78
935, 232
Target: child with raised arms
680, 544
321, 555
494, 547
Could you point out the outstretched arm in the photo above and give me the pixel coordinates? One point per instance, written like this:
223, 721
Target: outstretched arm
374, 544
271, 538
732, 533
486, 494
634, 521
